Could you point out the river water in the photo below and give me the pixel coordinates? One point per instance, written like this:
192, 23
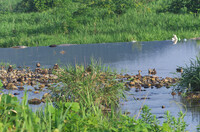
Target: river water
127, 57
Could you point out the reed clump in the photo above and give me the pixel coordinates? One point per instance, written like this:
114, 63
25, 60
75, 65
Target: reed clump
190, 77
91, 86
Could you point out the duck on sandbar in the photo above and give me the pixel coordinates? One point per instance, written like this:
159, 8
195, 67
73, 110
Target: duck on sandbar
152, 71
139, 74
10, 68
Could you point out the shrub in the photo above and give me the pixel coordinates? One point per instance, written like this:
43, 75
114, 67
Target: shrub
181, 6
103, 8
37, 5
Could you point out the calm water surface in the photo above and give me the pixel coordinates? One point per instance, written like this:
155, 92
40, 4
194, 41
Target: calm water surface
127, 57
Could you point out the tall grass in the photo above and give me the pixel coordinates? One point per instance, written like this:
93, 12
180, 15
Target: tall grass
94, 86
190, 78
141, 23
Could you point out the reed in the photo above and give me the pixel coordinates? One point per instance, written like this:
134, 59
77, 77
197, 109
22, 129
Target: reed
94, 86
190, 78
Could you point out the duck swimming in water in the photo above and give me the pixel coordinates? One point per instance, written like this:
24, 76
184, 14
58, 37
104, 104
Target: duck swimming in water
38, 64
174, 38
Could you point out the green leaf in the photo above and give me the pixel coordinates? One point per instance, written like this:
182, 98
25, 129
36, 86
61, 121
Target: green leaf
74, 106
166, 127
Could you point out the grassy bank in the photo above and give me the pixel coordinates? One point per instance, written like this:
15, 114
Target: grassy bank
82, 24
82, 104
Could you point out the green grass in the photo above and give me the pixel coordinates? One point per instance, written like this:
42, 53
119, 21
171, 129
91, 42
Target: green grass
91, 86
190, 78
141, 23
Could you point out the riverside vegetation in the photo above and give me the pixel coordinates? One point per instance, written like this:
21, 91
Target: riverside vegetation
190, 80
87, 100
46, 22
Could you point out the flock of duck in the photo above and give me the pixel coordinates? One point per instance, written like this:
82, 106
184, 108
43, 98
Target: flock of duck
16, 79
148, 81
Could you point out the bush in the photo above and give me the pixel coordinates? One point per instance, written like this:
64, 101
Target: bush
181, 6
102, 8
37, 5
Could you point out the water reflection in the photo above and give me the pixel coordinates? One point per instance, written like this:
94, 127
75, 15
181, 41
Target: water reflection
161, 55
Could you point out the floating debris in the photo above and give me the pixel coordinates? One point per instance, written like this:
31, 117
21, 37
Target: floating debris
53, 45
62, 52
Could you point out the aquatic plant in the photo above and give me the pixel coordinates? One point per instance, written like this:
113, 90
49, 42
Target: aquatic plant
190, 78
92, 85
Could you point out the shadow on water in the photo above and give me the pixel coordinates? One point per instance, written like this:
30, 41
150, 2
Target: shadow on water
164, 56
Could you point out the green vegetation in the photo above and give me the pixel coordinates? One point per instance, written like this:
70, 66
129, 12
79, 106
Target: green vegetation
94, 85
45, 22
190, 78
63, 116
181, 6
80, 105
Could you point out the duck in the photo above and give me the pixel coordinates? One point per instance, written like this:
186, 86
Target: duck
173, 93
139, 74
38, 64
152, 71
179, 69
55, 67
10, 68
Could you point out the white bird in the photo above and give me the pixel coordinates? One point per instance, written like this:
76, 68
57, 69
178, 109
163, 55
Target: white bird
174, 38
